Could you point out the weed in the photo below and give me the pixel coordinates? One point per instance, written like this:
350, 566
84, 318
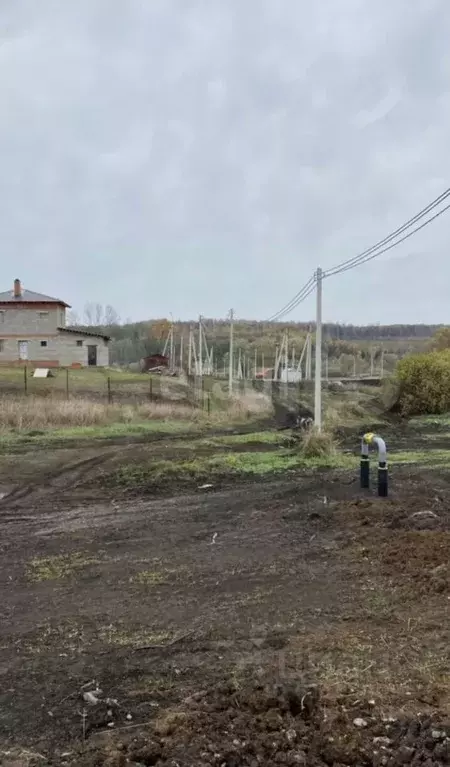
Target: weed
318, 444
115, 636
57, 567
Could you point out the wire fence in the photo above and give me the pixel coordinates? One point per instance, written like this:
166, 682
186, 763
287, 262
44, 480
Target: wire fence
198, 391
203, 392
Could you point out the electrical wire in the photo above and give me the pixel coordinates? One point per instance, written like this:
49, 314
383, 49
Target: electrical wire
366, 255
295, 301
345, 266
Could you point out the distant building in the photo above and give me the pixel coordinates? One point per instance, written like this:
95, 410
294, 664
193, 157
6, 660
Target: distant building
154, 361
33, 331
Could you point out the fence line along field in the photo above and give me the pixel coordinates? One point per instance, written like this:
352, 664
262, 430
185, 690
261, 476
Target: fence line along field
188, 588
100, 384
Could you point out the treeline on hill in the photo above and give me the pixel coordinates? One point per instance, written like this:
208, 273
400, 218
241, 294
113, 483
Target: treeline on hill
133, 340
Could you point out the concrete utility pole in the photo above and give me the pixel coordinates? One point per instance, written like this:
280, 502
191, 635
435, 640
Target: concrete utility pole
303, 352
181, 351
200, 347
308, 363
318, 367
172, 358
286, 354
382, 364
275, 367
230, 355
190, 352
372, 354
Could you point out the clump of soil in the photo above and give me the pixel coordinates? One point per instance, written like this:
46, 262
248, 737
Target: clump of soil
421, 558
278, 724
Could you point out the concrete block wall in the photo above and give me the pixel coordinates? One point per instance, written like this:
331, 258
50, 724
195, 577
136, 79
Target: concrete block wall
61, 350
40, 319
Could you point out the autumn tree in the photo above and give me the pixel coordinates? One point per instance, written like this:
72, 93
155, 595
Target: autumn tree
441, 339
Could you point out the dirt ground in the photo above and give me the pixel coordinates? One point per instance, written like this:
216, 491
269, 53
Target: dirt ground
278, 621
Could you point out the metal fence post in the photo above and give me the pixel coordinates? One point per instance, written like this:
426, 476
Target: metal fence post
109, 390
67, 383
25, 380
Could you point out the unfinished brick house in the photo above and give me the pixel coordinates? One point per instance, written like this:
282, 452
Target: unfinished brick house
33, 331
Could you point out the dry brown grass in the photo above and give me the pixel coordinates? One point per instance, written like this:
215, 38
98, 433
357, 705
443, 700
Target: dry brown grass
318, 444
22, 413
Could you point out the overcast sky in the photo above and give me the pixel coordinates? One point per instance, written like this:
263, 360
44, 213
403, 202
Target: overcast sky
188, 156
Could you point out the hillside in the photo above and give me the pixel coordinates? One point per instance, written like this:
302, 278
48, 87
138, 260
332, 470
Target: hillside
344, 343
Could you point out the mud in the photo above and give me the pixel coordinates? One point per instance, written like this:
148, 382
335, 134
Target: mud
258, 623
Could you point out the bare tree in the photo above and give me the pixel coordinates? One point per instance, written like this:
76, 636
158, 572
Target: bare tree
99, 314
89, 314
111, 316
72, 318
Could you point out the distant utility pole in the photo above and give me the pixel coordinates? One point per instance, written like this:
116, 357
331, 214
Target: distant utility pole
256, 364
200, 347
318, 367
382, 364
190, 352
230, 355
372, 354
286, 354
181, 351
172, 350
308, 363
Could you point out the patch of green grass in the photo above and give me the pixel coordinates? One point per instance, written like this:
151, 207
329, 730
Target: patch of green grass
77, 376
257, 463
110, 431
58, 567
158, 576
254, 436
422, 457
114, 635
431, 420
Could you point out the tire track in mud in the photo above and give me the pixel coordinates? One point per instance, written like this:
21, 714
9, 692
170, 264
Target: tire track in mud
51, 481
67, 476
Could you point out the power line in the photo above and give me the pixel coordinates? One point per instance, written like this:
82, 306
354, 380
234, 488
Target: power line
295, 301
366, 255
346, 265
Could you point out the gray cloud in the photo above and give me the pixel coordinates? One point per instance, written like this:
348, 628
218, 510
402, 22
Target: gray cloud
187, 156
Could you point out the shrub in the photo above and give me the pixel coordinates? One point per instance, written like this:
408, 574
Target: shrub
424, 383
318, 444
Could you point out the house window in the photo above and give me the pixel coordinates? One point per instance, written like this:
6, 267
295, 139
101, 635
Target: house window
43, 343
2, 345
2, 316
79, 343
42, 315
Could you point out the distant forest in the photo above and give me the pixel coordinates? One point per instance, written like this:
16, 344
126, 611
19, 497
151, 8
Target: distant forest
130, 341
